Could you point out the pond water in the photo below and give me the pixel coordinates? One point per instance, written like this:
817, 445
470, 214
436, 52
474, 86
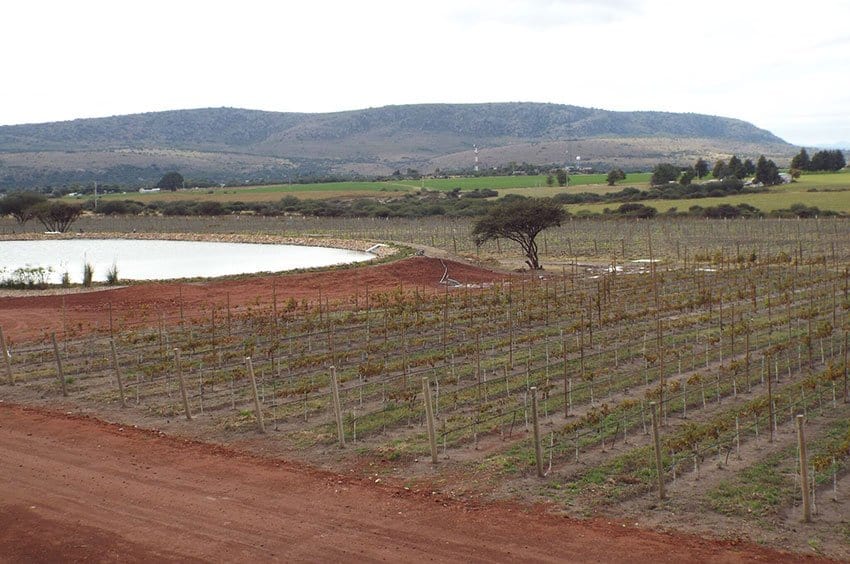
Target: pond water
138, 259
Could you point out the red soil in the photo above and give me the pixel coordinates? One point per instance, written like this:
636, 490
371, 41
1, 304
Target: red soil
24, 318
75, 489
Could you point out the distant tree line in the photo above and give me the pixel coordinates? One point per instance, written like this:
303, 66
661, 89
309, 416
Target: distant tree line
711, 189
821, 161
722, 211
764, 171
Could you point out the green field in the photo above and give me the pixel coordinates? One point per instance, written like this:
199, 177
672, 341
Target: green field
824, 190
525, 185
827, 191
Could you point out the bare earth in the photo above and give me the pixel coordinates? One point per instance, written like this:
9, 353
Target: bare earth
78, 489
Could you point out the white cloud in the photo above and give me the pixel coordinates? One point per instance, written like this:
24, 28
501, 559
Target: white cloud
779, 64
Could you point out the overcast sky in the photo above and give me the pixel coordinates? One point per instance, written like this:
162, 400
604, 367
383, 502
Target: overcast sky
782, 65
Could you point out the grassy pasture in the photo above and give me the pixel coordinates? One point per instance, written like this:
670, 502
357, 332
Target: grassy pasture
824, 190
827, 191
525, 185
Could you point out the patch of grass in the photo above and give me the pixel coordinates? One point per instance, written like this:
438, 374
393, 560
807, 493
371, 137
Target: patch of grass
759, 490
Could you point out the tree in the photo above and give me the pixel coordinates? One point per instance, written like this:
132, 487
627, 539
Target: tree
767, 172
170, 181
828, 160
736, 167
550, 180
520, 220
664, 173
720, 170
701, 168
749, 168
56, 215
615, 176
562, 177
687, 176
801, 160
20, 205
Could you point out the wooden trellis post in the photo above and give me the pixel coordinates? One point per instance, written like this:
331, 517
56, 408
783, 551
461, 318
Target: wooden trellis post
179, 368
538, 451
656, 439
429, 412
59, 373
804, 471
117, 372
4, 350
258, 408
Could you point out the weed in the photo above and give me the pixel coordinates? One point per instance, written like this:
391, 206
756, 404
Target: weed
112, 274
88, 274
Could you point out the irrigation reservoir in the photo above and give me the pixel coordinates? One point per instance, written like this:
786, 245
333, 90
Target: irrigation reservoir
137, 259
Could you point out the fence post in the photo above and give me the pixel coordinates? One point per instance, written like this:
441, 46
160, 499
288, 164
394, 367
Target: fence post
538, 452
185, 398
429, 413
657, 442
340, 430
258, 409
117, 372
770, 401
4, 350
804, 471
59, 371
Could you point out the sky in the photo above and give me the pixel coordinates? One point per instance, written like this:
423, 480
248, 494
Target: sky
781, 65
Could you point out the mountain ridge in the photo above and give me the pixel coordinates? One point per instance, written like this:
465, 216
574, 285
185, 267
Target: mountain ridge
368, 141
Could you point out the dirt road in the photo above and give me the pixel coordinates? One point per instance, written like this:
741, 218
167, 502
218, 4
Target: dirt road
75, 489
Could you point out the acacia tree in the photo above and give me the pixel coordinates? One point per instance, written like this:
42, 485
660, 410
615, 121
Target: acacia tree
20, 205
520, 220
57, 216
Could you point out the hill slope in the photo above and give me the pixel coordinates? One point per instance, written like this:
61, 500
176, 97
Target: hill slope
235, 144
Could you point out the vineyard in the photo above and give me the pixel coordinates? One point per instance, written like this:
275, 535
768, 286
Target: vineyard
719, 333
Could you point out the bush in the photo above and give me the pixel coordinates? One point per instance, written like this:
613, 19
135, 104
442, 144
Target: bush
210, 208
120, 207
636, 210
